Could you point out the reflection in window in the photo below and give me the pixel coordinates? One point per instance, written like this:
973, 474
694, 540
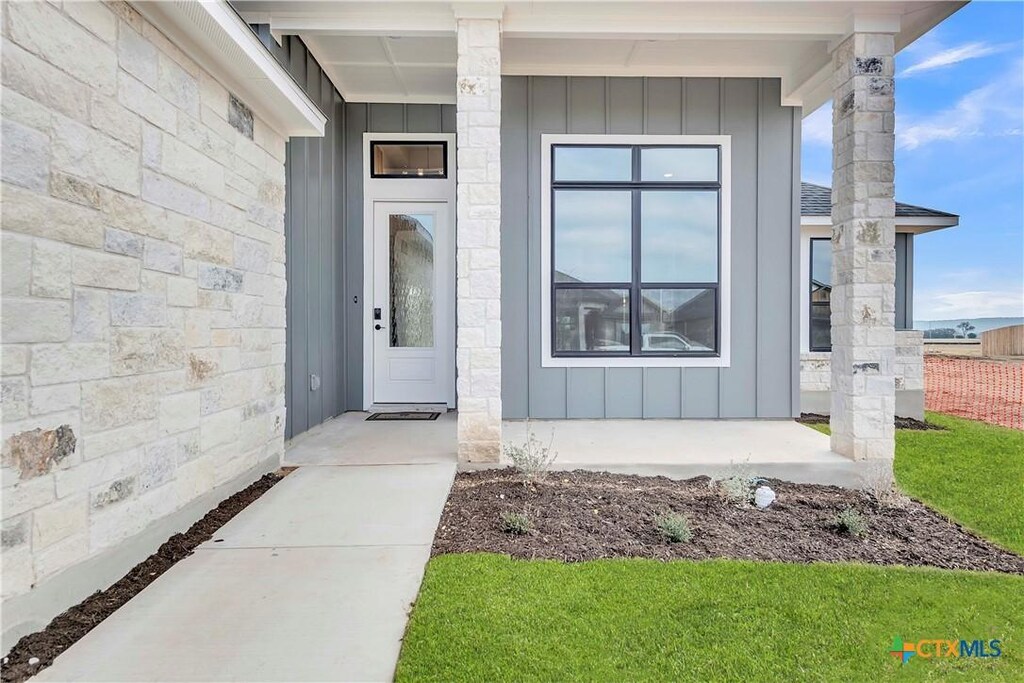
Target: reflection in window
592, 320
592, 241
574, 163
679, 164
679, 236
678, 320
821, 295
411, 247
409, 159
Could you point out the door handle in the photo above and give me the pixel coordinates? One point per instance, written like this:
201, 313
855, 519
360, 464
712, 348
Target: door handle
378, 327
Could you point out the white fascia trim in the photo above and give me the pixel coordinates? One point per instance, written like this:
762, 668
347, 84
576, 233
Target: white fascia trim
725, 275
216, 37
913, 224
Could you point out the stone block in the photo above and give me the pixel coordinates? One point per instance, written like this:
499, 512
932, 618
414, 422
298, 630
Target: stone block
16, 258
179, 412
177, 86
163, 256
73, 189
138, 310
40, 81
138, 56
59, 520
124, 243
36, 320
138, 351
26, 495
157, 464
87, 153
108, 271
51, 270
14, 360
220, 279
26, 155
114, 492
91, 319
109, 116
74, 362
137, 97
95, 17
54, 398
171, 194
112, 403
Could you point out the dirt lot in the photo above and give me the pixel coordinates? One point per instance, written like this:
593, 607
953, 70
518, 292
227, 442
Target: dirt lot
986, 389
576, 516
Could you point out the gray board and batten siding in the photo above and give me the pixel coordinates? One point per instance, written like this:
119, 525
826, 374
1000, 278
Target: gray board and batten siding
763, 379
324, 238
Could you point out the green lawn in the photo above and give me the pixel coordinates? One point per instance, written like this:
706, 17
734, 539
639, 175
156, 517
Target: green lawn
489, 618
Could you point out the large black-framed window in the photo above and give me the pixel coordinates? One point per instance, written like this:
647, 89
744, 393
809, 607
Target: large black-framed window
820, 297
636, 241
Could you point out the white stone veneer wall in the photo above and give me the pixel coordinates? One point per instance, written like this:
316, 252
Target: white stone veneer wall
143, 285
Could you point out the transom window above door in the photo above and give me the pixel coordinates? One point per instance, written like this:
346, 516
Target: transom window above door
409, 159
636, 237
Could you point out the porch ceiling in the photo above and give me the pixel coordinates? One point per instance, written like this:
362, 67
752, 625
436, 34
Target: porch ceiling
404, 51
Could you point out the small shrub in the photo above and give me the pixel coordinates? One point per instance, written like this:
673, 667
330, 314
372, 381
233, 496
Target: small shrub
515, 523
851, 522
533, 459
737, 489
674, 528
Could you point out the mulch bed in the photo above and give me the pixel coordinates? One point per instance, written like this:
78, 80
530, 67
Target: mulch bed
67, 628
901, 422
577, 516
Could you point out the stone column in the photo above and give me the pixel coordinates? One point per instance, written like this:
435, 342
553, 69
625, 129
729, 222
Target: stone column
478, 256
864, 250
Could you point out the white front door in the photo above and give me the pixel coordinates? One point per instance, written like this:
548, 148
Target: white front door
413, 303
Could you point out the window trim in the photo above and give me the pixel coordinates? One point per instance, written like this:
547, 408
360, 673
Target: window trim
724, 187
411, 143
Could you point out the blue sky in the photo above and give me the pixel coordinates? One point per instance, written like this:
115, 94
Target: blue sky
959, 148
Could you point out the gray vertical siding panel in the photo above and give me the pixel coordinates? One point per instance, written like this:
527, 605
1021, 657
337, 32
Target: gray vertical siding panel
387, 118
624, 392
448, 118
664, 106
547, 114
585, 392
775, 255
340, 254
515, 321
314, 319
328, 285
738, 383
297, 264
355, 125
662, 395
701, 101
908, 297
423, 118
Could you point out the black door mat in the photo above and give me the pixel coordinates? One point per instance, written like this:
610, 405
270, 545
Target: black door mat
407, 415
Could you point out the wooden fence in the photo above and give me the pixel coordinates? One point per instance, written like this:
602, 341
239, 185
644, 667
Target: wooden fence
1003, 341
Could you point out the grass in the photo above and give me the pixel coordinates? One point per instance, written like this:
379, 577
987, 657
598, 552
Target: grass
973, 473
485, 617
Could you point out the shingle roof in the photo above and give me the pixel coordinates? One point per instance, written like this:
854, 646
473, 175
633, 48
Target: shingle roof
816, 200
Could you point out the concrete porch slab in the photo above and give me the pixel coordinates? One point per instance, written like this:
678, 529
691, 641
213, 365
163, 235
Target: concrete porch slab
681, 449
350, 440
258, 614
344, 506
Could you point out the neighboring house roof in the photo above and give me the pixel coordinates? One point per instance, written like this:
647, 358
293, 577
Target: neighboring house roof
816, 200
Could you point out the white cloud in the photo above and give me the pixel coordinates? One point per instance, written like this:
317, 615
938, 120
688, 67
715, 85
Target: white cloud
947, 305
817, 128
991, 110
954, 55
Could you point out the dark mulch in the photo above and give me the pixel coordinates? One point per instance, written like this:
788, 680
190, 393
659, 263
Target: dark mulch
67, 628
579, 515
901, 422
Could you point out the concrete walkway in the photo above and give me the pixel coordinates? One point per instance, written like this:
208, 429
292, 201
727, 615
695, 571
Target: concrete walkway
312, 582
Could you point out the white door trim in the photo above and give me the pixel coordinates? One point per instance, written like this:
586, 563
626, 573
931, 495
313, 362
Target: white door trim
402, 190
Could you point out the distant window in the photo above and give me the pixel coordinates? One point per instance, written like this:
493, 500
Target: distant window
821, 295
409, 159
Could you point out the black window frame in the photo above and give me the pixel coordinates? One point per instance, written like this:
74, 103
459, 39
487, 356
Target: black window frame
409, 143
636, 286
810, 303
